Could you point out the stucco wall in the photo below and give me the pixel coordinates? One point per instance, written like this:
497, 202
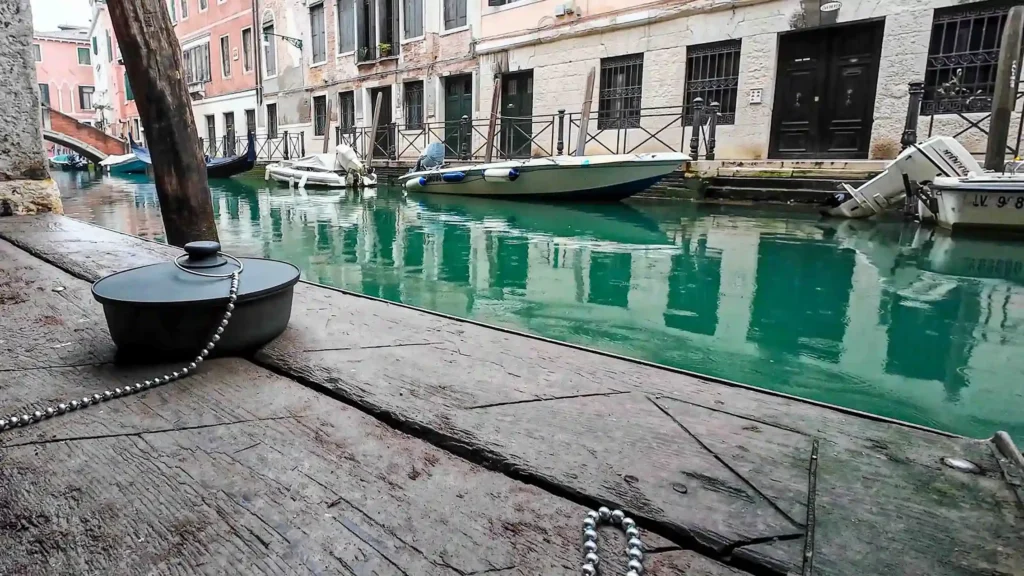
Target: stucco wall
560, 65
60, 70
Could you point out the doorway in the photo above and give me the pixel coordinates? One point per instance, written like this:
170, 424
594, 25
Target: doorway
383, 140
458, 102
516, 112
825, 92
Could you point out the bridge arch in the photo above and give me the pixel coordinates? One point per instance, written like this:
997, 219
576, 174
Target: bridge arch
93, 154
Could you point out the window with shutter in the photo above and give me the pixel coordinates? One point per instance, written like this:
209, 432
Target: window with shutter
225, 56
413, 18
128, 94
454, 14
270, 50
316, 28
271, 120
346, 26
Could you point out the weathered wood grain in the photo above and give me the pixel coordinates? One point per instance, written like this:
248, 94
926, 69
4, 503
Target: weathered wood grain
603, 429
238, 470
153, 63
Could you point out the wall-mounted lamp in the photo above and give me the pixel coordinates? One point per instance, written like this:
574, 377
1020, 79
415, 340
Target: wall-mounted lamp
293, 41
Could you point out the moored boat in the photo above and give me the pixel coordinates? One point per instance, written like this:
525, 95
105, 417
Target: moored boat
69, 162
216, 167
339, 170
123, 164
987, 200
590, 178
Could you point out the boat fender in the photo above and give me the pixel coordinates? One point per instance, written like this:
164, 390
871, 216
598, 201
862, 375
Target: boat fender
266, 175
415, 183
302, 183
453, 176
501, 174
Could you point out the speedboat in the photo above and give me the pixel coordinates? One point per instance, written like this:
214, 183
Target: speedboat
343, 169
588, 178
951, 188
123, 164
69, 162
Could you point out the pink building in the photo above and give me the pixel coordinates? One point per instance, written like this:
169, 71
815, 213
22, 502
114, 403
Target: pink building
218, 54
115, 112
64, 72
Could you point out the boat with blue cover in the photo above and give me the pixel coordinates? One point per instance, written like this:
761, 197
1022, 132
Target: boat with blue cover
215, 167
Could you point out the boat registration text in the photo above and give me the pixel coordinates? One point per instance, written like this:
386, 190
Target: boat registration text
1015, 201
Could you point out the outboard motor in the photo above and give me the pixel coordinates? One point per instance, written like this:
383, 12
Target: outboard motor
432, 157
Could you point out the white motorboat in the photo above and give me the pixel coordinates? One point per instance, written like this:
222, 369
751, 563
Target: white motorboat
957, 192
343, 169
594, 178
979, 200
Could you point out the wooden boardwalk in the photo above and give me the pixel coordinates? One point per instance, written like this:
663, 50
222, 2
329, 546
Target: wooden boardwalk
430, 431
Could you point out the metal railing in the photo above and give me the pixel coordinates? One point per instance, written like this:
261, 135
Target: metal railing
658, 129
912, 124
283, 147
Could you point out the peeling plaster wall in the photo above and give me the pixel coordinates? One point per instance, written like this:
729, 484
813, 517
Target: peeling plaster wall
560, 68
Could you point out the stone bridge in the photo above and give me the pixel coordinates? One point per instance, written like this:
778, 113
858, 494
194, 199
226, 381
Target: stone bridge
86, 140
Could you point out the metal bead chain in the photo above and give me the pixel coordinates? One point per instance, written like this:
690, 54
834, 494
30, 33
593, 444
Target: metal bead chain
634, 547
86, 401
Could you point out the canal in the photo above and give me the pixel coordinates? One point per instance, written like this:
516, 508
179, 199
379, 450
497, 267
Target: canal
880, 317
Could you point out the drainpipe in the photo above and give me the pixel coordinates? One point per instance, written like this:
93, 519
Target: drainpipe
257, 52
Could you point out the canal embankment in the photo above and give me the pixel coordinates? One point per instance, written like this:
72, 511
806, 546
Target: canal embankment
763, 482
770, 182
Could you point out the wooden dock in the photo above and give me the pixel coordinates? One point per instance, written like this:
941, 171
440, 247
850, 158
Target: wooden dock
373, 438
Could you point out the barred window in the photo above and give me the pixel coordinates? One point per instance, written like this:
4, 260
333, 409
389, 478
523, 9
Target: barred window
347, 111
713, 73
962, 58
319, 115
622, 81
414, 105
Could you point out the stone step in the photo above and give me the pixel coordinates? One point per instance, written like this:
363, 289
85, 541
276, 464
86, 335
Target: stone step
786, 195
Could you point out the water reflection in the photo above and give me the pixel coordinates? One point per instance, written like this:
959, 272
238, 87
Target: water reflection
875, 316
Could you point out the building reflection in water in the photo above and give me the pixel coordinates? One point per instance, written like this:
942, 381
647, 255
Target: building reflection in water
875, 316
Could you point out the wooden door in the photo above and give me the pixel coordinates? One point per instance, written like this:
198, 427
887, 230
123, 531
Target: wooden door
516, 112
850, 91
458, 102
825, 92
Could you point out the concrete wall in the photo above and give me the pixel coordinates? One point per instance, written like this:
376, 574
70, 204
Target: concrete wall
25, 186
218, 20
560, 51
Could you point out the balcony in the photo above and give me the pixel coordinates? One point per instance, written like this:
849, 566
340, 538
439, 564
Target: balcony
372, 54
197, 90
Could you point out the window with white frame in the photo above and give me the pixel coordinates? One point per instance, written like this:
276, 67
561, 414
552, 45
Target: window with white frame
196, 61
318, 39
203, 5
413, 105
247, 50
413, 13
319, 115
37, 52
85, 97
269, 50
346, 26
454, 14
225, 56
347, 111
184, 9
272, 120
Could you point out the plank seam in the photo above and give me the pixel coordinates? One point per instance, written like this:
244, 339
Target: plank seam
812, 496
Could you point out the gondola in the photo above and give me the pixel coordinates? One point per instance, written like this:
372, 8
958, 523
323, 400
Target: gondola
216, 167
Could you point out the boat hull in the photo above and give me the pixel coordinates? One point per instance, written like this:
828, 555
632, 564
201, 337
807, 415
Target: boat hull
996, 204
129, 167
312, 178
592, 179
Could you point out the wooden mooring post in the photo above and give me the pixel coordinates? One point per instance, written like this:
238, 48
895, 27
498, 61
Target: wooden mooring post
588, 102
152, 59
1005, 95
373, 133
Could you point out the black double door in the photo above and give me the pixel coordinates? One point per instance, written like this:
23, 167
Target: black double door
516, 114
825, 92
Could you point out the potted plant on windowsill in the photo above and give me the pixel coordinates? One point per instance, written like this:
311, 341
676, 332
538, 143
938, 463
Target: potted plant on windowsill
363, 51
384, 49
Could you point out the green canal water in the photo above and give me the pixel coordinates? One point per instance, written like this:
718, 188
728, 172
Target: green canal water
881, 317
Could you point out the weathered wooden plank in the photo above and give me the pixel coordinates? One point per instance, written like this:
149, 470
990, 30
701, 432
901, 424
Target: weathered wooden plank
235, 469
487, 394
46, 319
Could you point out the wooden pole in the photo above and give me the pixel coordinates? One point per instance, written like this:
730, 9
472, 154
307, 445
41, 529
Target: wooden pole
327, 128
588, 100
1005, 96
491, 127
152, 59
373, 133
